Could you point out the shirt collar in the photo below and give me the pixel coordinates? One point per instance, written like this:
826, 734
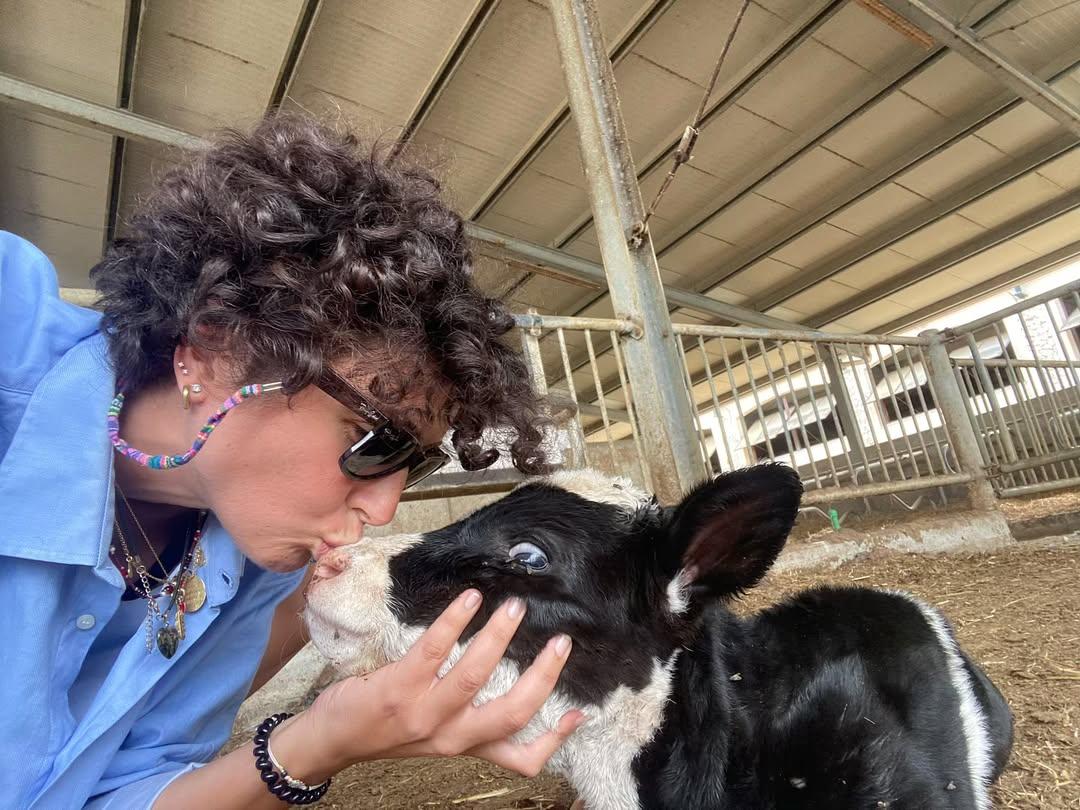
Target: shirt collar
56, 479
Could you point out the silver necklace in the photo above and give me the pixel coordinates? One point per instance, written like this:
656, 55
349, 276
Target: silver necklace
185, 589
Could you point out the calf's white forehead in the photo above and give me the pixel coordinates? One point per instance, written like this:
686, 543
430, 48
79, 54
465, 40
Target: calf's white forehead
600, 488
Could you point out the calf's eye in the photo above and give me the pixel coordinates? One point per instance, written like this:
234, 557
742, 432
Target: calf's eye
532, 557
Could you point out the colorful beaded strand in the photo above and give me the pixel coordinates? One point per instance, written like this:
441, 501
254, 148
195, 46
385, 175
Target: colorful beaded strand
165, 462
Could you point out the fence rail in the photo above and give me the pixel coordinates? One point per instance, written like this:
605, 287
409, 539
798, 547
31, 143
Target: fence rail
1022, 384
861, 417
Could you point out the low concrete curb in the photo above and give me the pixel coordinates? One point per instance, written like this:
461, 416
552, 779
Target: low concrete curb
954, 531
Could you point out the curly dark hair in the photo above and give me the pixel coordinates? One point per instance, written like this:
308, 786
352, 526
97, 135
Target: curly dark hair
293, 246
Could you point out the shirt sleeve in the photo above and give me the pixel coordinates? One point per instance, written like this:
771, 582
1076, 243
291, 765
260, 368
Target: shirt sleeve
190, 714
36, 326
142, 793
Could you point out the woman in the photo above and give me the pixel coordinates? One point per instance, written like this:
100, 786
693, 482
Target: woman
305, 310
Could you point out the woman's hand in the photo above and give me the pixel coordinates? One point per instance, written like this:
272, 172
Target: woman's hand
406, 710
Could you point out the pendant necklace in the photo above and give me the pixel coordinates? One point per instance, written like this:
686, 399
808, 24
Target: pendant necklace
185, 588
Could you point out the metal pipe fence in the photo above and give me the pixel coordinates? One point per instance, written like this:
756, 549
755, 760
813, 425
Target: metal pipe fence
854, 414
1020, 370
860, 416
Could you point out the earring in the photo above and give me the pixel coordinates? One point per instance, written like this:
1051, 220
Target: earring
183, 368
187, 391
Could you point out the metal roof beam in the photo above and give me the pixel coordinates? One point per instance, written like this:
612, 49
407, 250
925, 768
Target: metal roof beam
966, 250
96, 116
305, 22
451, 63
966, 43
951, 133
561, 117
904, 227
128, 55
854, 107
593, 274
1068, 253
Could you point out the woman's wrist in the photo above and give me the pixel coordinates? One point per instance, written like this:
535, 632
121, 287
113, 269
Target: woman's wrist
304, 750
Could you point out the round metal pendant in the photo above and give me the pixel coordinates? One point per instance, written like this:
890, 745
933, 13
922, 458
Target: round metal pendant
194, 593
167, 641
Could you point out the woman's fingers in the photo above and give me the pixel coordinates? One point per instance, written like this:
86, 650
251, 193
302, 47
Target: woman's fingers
486, 649
507, 715
421, 664
528, 759
445, 719
510, 713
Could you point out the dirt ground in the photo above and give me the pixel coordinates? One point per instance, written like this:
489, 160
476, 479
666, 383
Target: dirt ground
1037, 511
1016, 611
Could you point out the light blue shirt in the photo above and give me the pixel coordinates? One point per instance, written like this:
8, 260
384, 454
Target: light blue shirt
87, 716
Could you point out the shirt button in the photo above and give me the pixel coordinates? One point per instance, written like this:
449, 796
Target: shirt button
85, 622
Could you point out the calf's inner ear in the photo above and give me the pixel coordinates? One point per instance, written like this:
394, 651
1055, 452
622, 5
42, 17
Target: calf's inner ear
727, 533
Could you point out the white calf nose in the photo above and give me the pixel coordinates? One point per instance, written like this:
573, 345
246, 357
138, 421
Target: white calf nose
332, 564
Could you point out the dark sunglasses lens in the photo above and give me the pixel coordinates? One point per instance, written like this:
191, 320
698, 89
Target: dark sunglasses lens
425, 467
375, 455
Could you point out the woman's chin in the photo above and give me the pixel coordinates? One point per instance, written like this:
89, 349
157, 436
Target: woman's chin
283, 565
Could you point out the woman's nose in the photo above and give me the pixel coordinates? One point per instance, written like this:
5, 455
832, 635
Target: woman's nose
378, 498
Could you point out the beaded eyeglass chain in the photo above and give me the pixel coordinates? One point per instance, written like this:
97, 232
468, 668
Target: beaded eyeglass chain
165, 462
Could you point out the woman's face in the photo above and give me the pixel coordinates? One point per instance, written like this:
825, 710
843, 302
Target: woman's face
270, 474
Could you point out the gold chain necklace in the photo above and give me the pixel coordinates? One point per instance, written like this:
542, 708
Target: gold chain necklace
185, 588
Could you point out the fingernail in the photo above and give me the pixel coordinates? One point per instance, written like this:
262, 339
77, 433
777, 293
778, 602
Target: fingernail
515, 607
562, 646
472, 599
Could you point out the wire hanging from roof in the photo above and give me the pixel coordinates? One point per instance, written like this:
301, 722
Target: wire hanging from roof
684, 152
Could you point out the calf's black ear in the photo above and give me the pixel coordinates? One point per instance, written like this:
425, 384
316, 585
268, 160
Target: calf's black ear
728, 532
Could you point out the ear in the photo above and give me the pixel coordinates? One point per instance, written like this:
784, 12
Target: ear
727, 533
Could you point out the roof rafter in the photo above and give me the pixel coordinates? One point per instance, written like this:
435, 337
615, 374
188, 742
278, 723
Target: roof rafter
894, 232
1056, 258
1017, 226
128, 56
451, 63
951, 133
964, 41
557, 120
305, 22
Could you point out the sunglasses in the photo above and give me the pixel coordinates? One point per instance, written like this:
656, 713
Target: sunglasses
385, 449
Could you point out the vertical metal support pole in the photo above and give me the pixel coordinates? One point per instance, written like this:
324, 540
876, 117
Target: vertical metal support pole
637, 293
534, 362
950, 403
845, 410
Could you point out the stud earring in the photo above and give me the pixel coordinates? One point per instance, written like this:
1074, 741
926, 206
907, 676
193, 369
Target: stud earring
183, 368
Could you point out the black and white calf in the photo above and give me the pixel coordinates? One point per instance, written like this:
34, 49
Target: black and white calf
836, 698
